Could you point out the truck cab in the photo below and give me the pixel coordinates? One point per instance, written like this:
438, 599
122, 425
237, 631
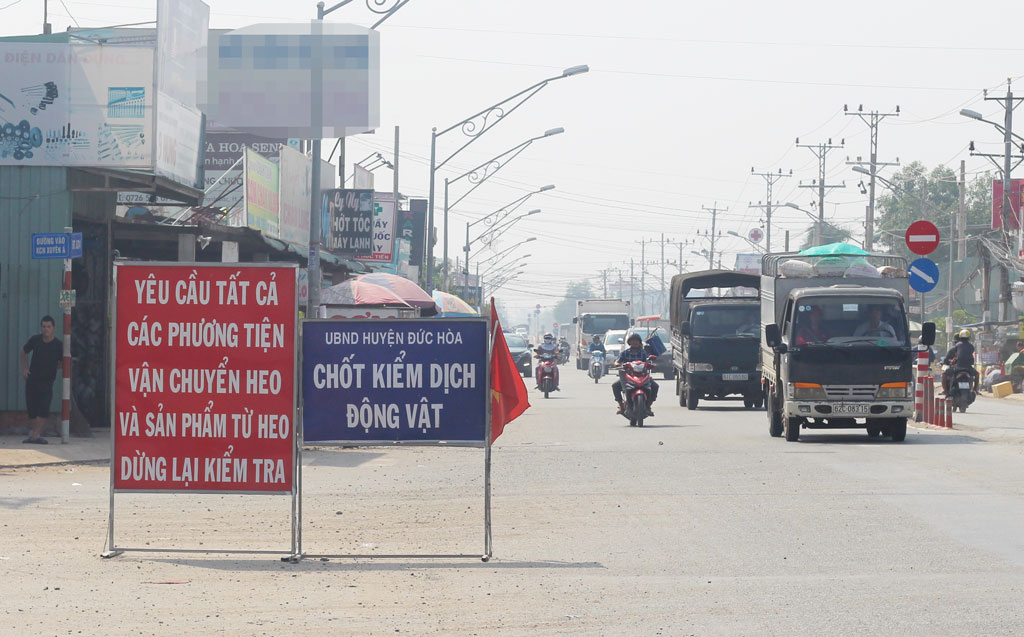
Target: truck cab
836, 350
715, 316
595, 317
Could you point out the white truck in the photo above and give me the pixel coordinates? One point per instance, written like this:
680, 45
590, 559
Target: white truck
596, 317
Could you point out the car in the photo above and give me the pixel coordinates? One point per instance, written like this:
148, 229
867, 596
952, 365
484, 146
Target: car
521, 352
664, 363
614, 342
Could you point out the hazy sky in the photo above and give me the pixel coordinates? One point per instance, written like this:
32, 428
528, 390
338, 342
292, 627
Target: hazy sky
683, 98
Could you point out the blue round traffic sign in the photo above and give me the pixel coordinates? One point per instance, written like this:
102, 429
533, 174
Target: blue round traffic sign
924, 275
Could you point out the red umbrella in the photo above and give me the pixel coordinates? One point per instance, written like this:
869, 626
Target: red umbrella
401, 287
356, 292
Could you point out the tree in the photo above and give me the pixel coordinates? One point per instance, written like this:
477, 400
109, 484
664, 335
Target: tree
575, 291
918, 193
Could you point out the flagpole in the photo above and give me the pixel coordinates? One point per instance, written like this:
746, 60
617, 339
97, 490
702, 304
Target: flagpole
492, 334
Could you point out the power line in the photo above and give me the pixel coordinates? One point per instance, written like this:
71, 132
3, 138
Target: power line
873, 119
821, 151
770, 178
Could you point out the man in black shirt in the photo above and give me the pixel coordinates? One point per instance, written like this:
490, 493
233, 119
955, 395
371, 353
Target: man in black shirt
47, 353
961, 356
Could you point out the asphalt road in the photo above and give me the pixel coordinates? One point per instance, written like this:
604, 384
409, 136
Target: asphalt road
699, 523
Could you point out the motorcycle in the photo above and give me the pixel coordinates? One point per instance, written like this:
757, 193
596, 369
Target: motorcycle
597, 369
636, 388
547, 377
563, 352
961, 389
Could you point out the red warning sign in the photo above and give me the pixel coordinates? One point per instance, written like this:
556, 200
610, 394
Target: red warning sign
204, 378
922, 237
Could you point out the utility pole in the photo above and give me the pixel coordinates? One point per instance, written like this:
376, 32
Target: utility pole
631, 286
770, 178
714, 210
821, 151
643, 278
661, 298
872, 119
1009, 103
961, 215
604, 281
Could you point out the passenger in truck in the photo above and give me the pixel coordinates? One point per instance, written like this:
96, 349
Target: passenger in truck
813, 328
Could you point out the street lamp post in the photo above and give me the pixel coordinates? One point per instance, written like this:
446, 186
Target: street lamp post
494, 220
478, 175
473, 127
820, 222
752, 244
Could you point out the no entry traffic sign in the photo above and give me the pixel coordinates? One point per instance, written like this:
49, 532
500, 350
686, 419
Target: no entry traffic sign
923, 274
922, 237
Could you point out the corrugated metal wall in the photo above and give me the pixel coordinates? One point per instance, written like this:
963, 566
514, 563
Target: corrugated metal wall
32, 199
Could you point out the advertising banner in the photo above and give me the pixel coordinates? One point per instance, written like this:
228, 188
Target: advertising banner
181, 38
260, 80
414, 227
383, 229
80, 105
385, 381
179, 131
261, 194
204, 378
296, 184
1016, 195
347, 218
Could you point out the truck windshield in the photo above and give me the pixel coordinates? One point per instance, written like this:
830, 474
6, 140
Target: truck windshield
601, 323
849, 321
725, 321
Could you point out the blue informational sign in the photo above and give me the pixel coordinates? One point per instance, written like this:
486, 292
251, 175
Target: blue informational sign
924, 275
56, 245
403, 380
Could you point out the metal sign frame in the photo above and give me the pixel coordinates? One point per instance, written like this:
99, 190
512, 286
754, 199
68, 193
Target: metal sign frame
486, 445
112, 549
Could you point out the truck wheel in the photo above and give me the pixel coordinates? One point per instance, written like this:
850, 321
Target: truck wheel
759, 401
670, 374
791, 426
692, 398
748, 403
899, 430
774, 417
681, 392
874, 431
579, 364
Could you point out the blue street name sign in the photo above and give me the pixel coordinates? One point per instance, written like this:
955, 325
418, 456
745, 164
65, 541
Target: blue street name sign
386, 381
56, 245
924, 275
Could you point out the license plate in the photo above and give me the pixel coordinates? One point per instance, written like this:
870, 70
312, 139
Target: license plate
851, 409
734, 376
964, 385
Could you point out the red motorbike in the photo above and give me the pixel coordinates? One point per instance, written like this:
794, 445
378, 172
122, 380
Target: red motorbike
547, 374
636, 388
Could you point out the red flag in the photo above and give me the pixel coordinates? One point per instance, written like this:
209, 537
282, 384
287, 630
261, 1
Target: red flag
508, 392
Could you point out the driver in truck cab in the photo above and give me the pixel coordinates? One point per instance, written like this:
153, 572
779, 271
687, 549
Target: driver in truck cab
875, 326
813, 328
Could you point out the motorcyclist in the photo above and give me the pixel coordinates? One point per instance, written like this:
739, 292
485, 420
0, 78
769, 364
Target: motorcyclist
960, 357
563, 349
596, 345
637, 351
548, 346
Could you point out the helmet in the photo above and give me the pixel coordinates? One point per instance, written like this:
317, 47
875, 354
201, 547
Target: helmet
549, 337
964, 334
632, 337
597, 338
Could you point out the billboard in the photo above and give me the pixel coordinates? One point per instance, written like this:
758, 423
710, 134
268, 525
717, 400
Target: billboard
204, 378
179, 147
260, 80
262, 200
182, 28
296, 186
385, 380
347, 216
81, 105
383, 229
1016, 195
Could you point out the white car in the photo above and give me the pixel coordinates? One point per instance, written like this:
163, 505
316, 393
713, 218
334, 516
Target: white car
614, 342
